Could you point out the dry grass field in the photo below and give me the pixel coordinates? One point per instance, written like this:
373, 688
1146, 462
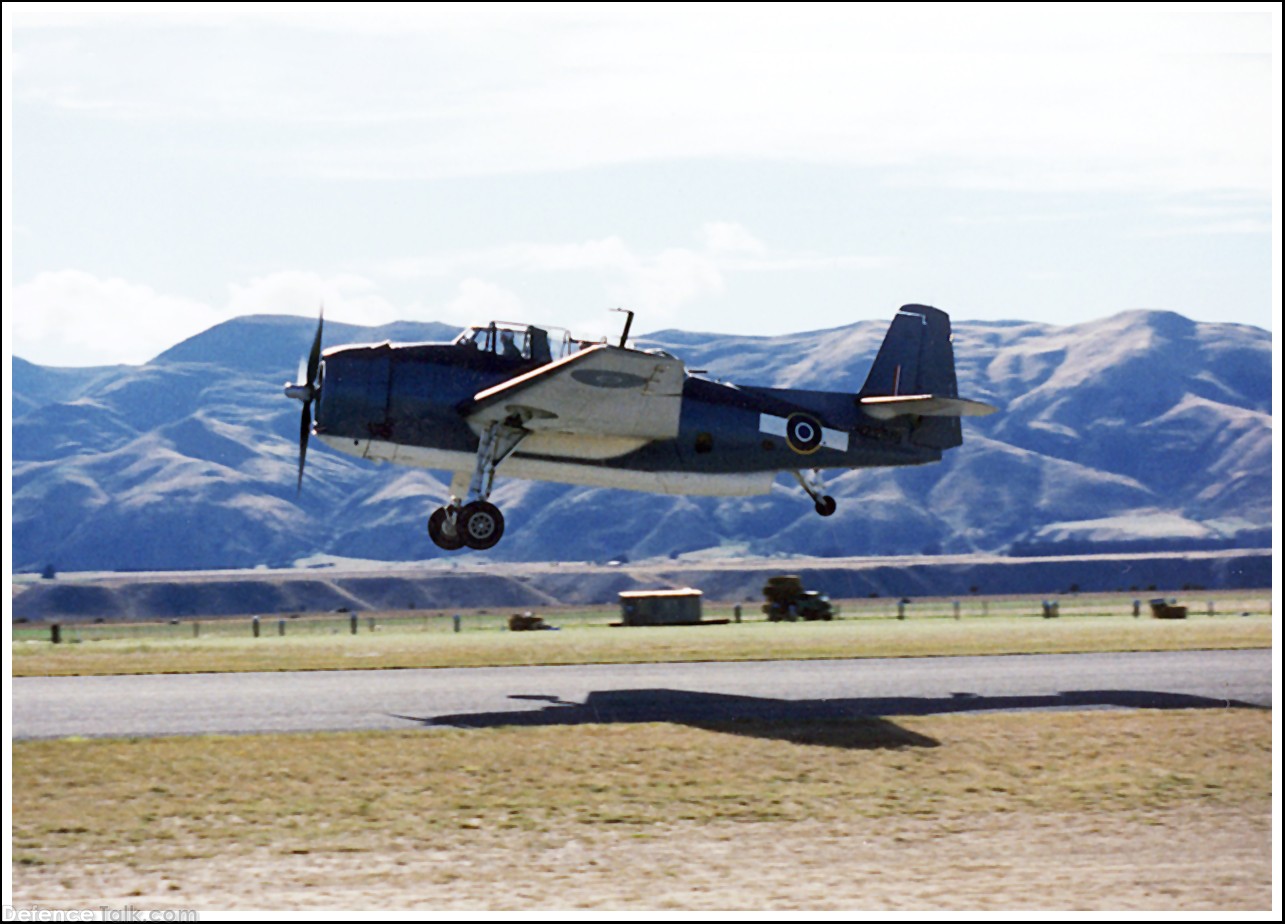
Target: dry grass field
403, 640
1093, 811
1085, 811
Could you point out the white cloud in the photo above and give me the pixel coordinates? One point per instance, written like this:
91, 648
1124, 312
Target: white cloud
659, 286
478, 300
1231, 226
1045, 97
74, 318
656, 283
345, 297
728, 237
605, 253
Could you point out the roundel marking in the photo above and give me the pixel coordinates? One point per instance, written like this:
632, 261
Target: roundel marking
803, 433
607, 378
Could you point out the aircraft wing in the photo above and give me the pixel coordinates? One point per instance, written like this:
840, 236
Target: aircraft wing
600, 391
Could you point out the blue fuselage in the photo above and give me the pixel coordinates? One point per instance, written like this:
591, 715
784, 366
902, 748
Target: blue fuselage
405, 404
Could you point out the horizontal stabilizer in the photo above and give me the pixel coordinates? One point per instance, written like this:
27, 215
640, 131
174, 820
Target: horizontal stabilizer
890, 406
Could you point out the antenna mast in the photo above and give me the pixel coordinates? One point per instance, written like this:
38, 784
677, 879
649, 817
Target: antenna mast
628, 323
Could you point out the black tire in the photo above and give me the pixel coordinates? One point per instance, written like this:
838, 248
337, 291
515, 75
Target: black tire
826, 506
443, 534
480, 525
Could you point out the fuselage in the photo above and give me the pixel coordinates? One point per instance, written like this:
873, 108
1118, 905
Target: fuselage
405, 404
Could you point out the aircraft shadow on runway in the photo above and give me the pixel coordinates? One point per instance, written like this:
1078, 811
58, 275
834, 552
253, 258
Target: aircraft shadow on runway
850, 723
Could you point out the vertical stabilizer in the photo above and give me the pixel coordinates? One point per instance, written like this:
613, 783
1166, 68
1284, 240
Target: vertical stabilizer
917, 359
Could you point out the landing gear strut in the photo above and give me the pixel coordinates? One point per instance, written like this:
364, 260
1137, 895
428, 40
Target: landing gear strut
479, 523
825, 504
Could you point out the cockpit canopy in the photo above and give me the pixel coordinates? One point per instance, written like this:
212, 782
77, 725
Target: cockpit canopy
516, 341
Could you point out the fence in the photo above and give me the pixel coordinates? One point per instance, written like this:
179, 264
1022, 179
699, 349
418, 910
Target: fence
1208, 603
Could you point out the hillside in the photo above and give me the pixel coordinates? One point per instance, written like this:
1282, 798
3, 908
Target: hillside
1141, 431
439, 586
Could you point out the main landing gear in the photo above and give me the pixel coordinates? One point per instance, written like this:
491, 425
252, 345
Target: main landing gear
825, 504
479, 523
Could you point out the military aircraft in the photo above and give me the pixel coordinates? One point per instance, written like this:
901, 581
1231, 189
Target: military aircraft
554, 408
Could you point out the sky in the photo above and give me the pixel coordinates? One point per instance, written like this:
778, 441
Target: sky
757, 169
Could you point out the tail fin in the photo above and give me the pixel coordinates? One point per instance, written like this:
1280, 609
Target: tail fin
914, 374
916, 357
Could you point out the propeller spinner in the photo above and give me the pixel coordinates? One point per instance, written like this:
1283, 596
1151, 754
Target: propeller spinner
306, 390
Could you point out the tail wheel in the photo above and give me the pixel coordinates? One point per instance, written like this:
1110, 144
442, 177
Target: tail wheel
826, 506
443, 532
480, 525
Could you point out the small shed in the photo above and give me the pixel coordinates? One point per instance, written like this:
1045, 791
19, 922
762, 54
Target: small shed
660, 607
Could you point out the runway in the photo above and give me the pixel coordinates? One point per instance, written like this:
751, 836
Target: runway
698, 693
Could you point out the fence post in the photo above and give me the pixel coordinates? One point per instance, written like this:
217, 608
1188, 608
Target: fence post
457, 622
254, 626
901, 609
956, 606
1211, 607
196, 630
1137, 608
736, 611
352, 622
281, 627
55, 633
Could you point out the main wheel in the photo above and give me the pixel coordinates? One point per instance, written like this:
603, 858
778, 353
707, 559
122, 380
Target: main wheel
443, 532
826, 506
481, 525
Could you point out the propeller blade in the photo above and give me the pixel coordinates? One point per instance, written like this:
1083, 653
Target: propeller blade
306, 390
314, 357
305, 427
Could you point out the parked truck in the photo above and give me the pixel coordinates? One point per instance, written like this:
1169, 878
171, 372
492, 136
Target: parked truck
787, 601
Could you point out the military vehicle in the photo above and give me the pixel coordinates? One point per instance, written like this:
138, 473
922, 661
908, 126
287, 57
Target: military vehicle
787, 601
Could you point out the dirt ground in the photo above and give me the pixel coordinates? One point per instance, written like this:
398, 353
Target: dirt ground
1182, 859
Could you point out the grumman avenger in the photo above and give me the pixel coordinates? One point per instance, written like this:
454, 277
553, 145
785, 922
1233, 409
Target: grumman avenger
553, 408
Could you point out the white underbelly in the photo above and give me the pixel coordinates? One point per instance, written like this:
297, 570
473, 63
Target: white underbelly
598, 476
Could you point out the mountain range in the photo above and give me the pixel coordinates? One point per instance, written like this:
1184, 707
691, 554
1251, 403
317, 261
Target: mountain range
1140, 431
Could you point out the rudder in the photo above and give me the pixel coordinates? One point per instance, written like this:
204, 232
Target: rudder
917, 358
